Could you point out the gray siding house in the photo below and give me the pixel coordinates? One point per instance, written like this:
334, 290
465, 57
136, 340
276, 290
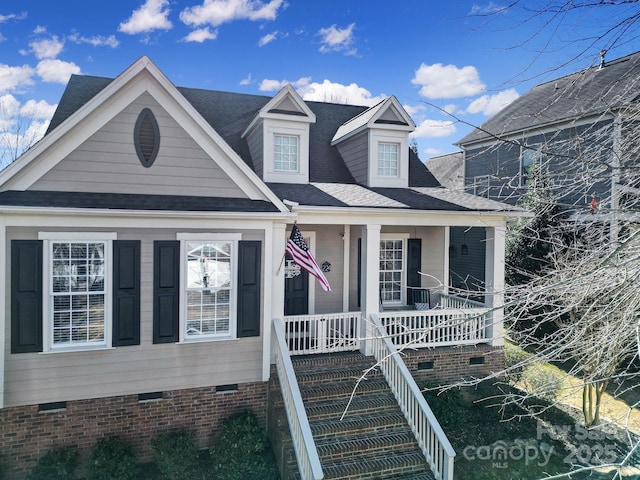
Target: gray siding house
578, 132
145, 285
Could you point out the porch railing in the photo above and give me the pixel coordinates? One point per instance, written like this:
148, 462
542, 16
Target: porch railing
453, 301
437, 327
432, 440
325, 333
303, 444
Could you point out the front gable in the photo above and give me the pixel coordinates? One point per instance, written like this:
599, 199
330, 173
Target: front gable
94, 149
278, 138
375, 145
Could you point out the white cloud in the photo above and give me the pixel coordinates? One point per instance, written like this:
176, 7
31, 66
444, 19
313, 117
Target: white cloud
11, 78
96, 40
434, 128
414, 110
201, 34
487, 9
491, 104
39, 30
9, 108
152, 15
40, 110
337, 39
269, 85
448, 81
13, 16
56, 71
268, 38
337, 93
217, 12
246, 81
47, 48
432, 151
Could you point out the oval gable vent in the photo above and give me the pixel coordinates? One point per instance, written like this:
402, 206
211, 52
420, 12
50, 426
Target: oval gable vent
146, 137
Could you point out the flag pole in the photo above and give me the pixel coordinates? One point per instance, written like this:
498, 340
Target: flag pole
295, 222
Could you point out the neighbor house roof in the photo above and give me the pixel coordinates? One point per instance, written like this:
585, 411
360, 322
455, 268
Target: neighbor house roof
596, 90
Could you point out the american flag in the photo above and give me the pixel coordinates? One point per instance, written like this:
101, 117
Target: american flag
299, 251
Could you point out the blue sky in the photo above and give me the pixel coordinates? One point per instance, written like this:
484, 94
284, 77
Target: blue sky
438, 58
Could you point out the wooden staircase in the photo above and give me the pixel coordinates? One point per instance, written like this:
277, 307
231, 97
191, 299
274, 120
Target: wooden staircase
372, 441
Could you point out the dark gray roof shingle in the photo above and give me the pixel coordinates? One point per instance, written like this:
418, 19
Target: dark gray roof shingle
120, 201
589, 92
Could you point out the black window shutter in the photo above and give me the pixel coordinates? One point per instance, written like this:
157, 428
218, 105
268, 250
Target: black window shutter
166, 290
26, 296
126, 292
249, 255
414, 263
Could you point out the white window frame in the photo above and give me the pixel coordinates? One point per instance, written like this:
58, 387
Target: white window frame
482, 185
388, 135
48, 239
273, 128
534, 154
382, 160
403, 237
232, 238
275, 156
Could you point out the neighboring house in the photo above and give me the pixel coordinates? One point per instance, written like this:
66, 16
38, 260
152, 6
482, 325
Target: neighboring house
574, 130
142, 240
448, 170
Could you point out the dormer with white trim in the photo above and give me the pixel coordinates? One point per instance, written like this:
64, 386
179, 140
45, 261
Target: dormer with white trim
278, 138
375, 145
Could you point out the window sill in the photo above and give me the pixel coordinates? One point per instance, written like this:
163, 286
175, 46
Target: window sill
77, 349
191, 341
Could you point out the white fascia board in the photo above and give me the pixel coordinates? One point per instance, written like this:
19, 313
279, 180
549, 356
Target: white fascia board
392, 102
104, 218
287, 90
395, 217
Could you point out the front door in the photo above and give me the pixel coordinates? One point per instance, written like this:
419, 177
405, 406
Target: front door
296, 289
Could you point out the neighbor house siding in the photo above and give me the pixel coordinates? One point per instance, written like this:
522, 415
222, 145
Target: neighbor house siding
355, 152
107, 162
48, 377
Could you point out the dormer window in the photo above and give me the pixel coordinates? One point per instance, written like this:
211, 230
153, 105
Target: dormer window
388, 159
286, 153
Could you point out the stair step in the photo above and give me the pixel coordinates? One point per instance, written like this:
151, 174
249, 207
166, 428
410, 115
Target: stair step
389, 466
359, 405
357, 424
341, 389
332, 359
351, 373
366, 445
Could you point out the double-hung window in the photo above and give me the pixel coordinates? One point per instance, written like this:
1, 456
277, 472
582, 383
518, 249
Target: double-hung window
209, 266
392, 270
78, 290
286, 153
388, 159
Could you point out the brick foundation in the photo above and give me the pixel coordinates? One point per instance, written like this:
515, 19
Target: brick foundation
454, 364
27, 433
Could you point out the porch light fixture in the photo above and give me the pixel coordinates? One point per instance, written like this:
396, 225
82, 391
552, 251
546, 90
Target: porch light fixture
453, 251
464, 250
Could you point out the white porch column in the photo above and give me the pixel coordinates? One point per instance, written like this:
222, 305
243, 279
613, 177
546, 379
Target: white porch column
346, 245
494, 280
274, 242
370, 282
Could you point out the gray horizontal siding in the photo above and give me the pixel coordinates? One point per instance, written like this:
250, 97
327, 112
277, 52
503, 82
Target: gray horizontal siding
32, 378
107, 162
355, 152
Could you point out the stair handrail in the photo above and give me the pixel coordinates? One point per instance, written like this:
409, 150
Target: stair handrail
303, 443
431, 438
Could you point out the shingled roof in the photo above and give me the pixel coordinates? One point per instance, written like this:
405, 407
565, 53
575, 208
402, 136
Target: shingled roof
593, 91
230, 113
330, 182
